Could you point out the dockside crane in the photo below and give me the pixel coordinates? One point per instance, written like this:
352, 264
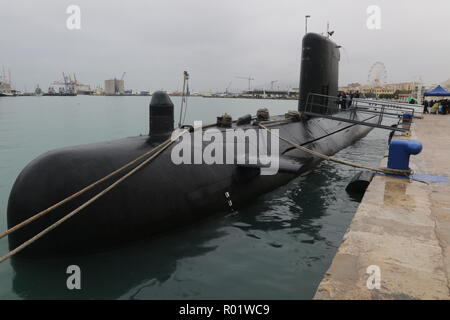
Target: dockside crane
116, 84
69, 87
272, 83
249, 79
228, 88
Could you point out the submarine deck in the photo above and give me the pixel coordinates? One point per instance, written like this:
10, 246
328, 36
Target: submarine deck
402, 227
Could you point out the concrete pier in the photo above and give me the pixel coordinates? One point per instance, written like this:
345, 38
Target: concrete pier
402, 227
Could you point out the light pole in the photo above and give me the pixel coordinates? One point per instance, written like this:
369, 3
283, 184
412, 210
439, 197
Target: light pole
306, 23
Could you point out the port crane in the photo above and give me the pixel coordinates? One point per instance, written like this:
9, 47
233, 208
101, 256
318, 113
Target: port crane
228, 88
116, 84
68, 83
75, 81
249, 79
272, 83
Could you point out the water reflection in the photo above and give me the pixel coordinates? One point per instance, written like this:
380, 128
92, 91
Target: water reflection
110, 274
295, 207
278, 246
134, 268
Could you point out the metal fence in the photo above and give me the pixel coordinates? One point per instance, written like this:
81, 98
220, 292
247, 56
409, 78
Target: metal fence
330, 107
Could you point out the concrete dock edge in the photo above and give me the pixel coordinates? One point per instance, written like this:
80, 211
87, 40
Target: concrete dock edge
400, 234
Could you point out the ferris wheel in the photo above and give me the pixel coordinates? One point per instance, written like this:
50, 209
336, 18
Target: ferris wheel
377, 74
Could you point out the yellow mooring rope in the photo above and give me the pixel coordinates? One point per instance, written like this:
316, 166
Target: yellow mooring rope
160, 148
346, 163
153, 153
79, 193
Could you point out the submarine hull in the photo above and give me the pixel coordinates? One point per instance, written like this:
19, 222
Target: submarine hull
162, 195
159, 197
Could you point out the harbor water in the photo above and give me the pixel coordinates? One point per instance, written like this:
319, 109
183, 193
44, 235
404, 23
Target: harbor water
276, 247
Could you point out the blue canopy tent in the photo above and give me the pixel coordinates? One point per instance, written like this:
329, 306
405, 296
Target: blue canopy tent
437, 92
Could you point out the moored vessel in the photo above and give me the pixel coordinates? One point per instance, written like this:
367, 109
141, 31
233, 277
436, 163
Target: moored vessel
164, 195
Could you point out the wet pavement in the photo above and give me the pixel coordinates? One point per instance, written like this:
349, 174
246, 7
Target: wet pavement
400, 235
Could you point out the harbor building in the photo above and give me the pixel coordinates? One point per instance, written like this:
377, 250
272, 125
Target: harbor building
401, 90
446, 84
114, 87
270, 94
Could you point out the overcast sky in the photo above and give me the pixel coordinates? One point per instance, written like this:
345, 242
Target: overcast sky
216, 41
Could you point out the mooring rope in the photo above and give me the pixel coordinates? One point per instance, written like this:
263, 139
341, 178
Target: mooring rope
346, 163
163, 147
82, 191
153, 153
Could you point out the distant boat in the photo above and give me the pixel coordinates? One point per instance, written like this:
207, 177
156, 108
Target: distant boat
67, 87
54, 91
83, 89
5, 86
5, 89
38, 91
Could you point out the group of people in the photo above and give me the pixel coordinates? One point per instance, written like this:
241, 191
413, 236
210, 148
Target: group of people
345, 100
436, 106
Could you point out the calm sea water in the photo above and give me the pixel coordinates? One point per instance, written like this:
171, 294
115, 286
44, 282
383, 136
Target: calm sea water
277, 247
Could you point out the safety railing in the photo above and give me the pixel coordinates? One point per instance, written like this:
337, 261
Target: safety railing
342, 109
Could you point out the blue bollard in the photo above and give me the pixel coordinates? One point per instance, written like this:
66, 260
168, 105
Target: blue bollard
400, 151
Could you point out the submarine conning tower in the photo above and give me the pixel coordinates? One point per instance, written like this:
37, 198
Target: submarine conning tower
161, 116
319, 73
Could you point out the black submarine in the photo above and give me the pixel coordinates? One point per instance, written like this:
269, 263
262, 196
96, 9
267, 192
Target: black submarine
163, 195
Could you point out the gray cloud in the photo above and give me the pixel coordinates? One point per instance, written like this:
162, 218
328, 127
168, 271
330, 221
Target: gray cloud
154, 41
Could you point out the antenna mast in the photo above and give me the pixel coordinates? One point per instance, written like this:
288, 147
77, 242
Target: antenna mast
185, 94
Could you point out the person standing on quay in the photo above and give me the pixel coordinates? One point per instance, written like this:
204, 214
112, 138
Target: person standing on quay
351, 99
425, 107
339, 100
